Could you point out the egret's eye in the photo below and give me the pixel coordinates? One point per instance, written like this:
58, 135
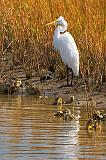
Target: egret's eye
58, 22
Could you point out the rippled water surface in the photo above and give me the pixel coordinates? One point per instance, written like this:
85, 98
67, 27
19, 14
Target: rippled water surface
29, 131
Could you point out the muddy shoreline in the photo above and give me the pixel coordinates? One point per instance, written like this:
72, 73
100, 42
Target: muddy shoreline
54, 88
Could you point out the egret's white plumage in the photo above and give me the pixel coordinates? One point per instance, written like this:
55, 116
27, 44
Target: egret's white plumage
65, 44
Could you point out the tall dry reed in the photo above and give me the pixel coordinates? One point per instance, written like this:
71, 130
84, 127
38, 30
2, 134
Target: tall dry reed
23, 22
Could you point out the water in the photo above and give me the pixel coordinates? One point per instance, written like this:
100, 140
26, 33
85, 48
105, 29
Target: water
29, 131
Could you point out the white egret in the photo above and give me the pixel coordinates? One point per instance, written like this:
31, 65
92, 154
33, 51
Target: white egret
65, 44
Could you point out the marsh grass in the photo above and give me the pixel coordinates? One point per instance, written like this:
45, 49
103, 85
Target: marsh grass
23, 22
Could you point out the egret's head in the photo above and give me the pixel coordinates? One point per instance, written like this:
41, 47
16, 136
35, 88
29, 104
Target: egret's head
59, 22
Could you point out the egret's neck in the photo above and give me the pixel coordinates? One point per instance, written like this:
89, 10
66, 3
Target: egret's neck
63, 28
58, 30
57, 35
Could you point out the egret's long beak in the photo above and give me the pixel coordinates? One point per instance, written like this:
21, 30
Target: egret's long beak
50, 23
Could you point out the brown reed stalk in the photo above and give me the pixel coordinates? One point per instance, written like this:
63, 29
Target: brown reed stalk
24, 21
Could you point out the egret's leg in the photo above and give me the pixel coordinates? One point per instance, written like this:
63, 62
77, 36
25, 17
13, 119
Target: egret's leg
72, 77
67, 76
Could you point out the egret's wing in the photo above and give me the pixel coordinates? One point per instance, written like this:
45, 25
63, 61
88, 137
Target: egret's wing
69, 52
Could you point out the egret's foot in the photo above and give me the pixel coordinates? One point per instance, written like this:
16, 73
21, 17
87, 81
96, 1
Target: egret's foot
69, 85
65, 85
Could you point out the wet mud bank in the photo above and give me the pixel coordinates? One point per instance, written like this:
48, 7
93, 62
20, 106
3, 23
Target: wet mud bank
53, 88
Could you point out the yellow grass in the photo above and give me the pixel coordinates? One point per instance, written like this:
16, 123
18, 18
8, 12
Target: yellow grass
24, 22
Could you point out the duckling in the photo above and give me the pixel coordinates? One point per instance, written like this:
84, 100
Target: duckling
93, 124
18, 83
97, 125
67, 114
89, 124
72, 98
58, 113
98, 115
59, 106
